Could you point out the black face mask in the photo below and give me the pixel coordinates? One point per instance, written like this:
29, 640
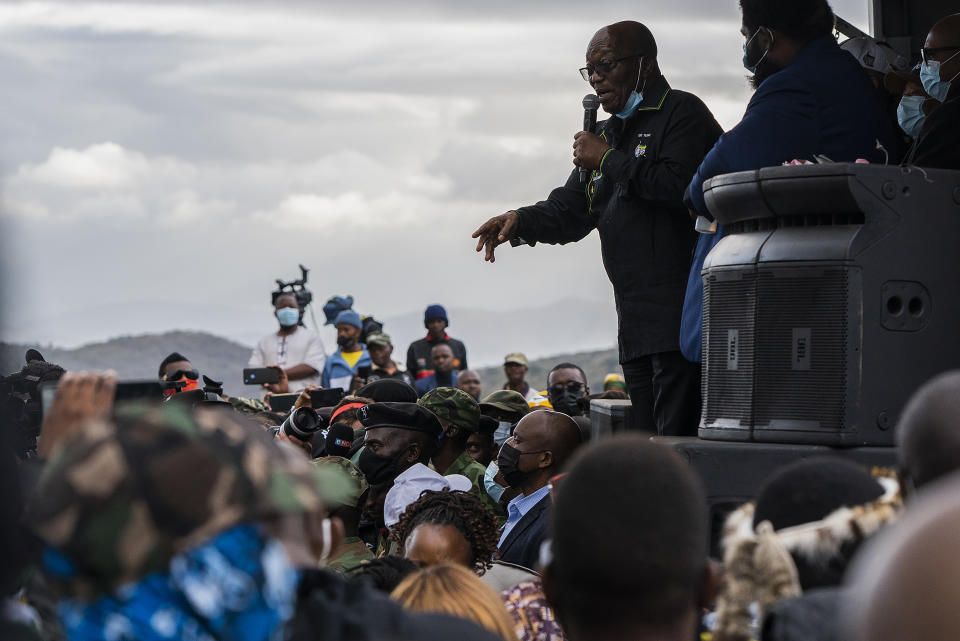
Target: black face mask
568, 403
345, 341
378, 469
508, 460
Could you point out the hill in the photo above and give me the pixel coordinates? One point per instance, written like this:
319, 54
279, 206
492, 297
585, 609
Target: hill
137, 357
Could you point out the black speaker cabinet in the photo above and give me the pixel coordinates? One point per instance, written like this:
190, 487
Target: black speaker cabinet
833, 296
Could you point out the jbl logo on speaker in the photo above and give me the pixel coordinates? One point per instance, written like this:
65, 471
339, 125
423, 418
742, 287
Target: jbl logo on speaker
733, 349
801, 348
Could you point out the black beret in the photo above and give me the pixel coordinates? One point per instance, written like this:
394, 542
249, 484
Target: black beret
388, 390
404, 416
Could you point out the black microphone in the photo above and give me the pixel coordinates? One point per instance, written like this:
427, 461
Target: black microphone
590, 105
339, 440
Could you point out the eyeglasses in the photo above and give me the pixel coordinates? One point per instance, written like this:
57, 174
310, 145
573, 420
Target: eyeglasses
192, 374
604, 66
573, 387
929, 52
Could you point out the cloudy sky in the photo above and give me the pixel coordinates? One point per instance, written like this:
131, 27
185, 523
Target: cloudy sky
163, 162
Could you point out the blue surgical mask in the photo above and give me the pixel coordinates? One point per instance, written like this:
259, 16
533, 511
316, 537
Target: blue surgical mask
288, 316
494, 489
932, 83
635, 97
910, 114
502, 433
746, 63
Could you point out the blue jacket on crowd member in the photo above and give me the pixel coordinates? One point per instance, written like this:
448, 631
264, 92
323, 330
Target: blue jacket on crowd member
821, 103
337, 372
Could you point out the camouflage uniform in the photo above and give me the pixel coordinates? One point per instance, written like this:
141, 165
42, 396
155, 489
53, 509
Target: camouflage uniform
121, 497
461, 410
352, 551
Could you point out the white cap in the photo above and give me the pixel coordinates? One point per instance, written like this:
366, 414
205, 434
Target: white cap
409, 485
870, 54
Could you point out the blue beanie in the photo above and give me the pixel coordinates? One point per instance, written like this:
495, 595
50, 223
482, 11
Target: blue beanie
349, 317
435, 311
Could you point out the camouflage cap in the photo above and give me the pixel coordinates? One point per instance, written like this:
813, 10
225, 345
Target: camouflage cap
506, 400
453, 405
356, 482
379, 338
122, 496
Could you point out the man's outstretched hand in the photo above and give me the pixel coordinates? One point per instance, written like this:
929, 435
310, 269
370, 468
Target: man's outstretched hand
494, 232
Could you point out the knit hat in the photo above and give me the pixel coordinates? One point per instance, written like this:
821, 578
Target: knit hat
435, 311
349, 317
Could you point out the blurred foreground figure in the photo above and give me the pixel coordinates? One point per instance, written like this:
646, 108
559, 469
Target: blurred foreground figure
162, 523
628, 569
455, 590
907, 584
928, 441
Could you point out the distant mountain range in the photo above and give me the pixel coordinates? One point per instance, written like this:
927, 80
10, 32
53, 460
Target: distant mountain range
138, 357
488, 329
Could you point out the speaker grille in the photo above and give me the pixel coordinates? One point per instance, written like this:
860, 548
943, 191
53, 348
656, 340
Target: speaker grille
781, 364
729, 303
801, 366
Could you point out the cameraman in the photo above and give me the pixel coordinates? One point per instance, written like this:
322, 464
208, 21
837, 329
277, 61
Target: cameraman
298, 351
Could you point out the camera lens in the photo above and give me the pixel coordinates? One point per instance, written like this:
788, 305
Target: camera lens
302, 423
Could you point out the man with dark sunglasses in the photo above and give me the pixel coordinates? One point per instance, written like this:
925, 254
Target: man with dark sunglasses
938, 142
175, 368
566, 387
637, 164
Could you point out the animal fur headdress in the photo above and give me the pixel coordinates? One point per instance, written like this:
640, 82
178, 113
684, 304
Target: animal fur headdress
759, 562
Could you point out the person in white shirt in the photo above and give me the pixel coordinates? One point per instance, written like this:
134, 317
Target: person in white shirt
298, 351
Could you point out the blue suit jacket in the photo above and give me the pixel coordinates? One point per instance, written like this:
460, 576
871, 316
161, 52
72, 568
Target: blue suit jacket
822, 103
522, 545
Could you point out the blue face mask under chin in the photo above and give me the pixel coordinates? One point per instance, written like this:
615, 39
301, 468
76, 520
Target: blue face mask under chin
910, 114
932, 83
635, 97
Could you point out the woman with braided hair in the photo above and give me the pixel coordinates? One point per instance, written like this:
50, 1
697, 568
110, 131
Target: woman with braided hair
447, 526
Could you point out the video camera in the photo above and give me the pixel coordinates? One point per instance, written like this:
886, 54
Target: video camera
296, 287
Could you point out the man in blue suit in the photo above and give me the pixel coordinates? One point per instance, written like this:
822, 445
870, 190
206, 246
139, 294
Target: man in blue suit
541, 444
812, 99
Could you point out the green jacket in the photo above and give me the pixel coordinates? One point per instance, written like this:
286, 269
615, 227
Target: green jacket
349, 554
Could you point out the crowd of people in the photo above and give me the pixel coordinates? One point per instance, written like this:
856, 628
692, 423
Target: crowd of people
200, 516
352, 496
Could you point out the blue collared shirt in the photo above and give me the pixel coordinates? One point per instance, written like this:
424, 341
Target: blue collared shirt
518, 508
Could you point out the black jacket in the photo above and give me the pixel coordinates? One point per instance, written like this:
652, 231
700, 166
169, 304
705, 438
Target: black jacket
522, 545
938, 143
419, 364
635, 202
